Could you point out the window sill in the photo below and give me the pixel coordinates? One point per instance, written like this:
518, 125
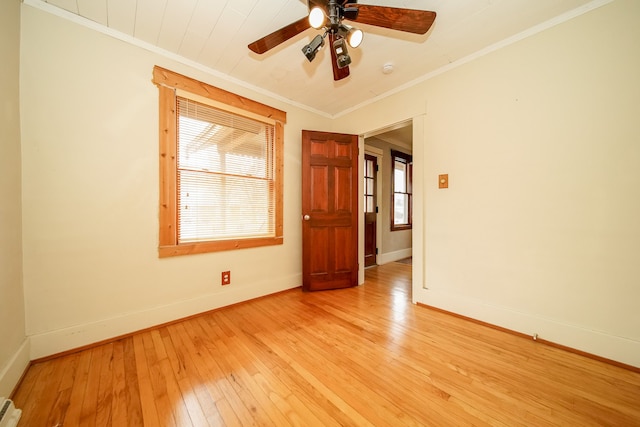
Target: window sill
222, 245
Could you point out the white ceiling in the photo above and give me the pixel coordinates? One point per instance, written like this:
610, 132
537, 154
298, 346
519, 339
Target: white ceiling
215, 35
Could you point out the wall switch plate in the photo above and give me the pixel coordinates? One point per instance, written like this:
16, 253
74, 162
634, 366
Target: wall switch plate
226, 278
443, 181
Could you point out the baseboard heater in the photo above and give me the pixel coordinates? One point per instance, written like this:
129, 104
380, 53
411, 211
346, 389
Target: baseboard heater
9, 415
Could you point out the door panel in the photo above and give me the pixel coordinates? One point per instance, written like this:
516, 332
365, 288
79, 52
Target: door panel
320, 259
329, 210
320, 189
342, 249
344, 198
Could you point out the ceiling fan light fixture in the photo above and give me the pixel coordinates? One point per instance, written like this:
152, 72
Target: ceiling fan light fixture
353, 35
316, 17
342, 55
312, 48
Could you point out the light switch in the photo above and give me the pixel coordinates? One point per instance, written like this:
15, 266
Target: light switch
443, 181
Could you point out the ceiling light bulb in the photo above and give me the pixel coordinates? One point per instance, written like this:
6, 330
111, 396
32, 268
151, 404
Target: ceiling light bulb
355, 37
316, 17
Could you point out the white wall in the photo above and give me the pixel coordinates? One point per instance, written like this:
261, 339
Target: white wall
13, 343
90, 189
539, 230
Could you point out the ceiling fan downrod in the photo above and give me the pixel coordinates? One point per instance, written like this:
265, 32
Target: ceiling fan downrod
334, 16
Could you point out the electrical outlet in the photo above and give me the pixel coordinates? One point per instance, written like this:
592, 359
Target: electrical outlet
226, 278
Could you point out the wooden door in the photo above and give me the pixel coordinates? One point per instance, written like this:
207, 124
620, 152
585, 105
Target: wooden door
370, 210
329, 210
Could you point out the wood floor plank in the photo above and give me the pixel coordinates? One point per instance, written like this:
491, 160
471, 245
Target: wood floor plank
63, 400
312, 398
251, 390
280, 347
155, 354
89, 409
51, 377
207, 370
29, 401
181, 388
132, 384
105, 388
227, 414
200, 403
243, 409
251, 352
379, 372
80, 379
28, 382
147, 402
362, 356
119, 399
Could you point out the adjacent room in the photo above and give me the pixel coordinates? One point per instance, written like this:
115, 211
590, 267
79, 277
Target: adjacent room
439, 226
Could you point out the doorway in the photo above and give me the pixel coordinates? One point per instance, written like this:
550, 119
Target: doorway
392, 243
392, 246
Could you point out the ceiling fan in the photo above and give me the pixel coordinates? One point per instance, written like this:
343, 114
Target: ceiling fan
328, 16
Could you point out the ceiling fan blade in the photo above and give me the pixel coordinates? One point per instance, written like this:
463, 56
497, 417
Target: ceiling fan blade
338, 73
272, 40
408, 20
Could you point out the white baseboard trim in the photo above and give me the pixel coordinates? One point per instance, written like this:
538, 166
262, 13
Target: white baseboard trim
13, 371
61, 340
619, 349
393, 256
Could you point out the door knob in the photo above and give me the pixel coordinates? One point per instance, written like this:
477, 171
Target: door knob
306, 217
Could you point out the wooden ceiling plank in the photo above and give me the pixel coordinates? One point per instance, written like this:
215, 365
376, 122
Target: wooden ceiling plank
121, 15
95, 10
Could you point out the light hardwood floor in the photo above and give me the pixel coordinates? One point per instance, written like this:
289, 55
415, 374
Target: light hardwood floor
362, 356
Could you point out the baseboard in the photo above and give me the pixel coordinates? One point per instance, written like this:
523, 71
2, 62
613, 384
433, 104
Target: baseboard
12, 373
62, 340
624, 351
393, 256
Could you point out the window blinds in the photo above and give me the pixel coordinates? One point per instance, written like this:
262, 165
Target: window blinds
225, 174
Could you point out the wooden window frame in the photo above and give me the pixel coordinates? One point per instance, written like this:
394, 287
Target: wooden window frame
409, 161
168, 82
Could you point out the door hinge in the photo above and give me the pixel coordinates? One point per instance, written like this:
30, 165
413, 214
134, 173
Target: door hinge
376, 251
376, 209
377, 168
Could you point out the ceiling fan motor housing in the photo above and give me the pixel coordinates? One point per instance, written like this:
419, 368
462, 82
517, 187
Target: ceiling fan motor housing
350, 13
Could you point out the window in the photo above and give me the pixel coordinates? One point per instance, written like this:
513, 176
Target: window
220, 168
401, 184
370, 168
